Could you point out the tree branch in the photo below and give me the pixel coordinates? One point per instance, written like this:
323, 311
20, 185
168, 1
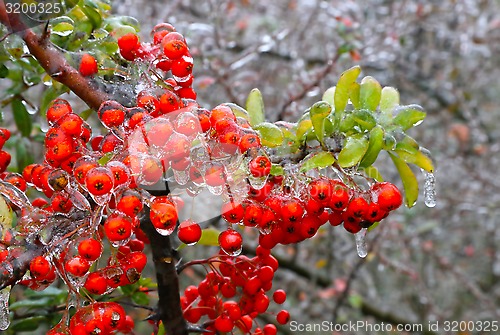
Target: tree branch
53, 61
169, 306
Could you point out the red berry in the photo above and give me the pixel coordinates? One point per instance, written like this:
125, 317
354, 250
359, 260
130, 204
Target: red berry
279, 296
260, 166
189, 232
283, 317
39, 267
99, 181
77, 266
90, 249
387, 196
174, 45
320, 190
96, 283
232, 212
230, 242
117, 227
88, 65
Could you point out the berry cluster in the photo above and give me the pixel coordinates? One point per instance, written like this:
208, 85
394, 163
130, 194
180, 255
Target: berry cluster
93, 186
168, 52
233, 293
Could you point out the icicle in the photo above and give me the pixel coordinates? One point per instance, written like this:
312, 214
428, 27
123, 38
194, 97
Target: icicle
257, 183
4, 308
429, 189
361, 243
215, 190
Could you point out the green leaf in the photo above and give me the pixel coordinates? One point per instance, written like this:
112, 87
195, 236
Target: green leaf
209, 237
22, 117
30, 303
354, 95
410, 183
317, 161
255, 107
369, 94
4, 71
270, 134
27, 324
389, 100
343, 88
24, 154
93, 14
373, 172
356, 301
375, 144
105, 158
62, 29
354, 149
329, 95
161, 330
409, 116
364, 119
277, 170
140, 298
417, 158
319, 112
303, 128
86, 113
238, 111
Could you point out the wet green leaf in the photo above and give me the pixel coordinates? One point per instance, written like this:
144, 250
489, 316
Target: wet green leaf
329, 95
22, 117
93, 14
255, 107
62, 29
140, 298
303, 128
30, 303
270, 134
417, 158
4, 71
238, 111
364, 119
317, 161
210, 237
369, 94
277, 170
354, 149
354, 95
24, 154
409, 116
319, 112
375, 143
410, 183
389, 100
27, 324
374, 173
342, 91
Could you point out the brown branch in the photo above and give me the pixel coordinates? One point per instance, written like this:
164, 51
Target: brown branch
52, 60
169, 307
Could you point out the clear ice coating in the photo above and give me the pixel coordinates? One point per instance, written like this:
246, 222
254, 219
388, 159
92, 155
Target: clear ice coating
361, 243
4, 308
429, 189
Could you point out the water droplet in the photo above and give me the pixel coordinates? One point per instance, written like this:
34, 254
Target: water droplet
181, 177
429, 189
166, 232
361, 243
4, 308
257, 183
215, 190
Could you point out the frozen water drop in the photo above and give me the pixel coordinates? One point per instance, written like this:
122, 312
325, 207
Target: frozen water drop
4, 308
361, 243
181, 177
429, 189
257, 183
167, 231
215, 190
